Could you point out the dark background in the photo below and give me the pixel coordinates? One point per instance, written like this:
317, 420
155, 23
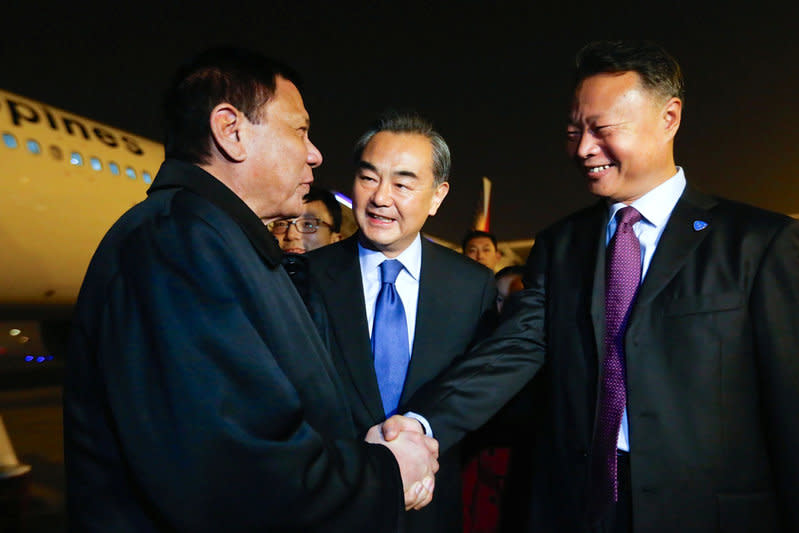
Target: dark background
494, 78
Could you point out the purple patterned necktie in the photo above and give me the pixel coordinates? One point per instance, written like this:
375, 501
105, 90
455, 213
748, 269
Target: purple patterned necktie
622, 278
390, 338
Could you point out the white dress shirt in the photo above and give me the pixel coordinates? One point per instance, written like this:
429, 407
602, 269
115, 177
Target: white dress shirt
407, 283
655, 208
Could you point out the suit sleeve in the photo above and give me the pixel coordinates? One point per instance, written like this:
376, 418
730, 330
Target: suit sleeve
488, 311
775, 308
213, 430
481, 381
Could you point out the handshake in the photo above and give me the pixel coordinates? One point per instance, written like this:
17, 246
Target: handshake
416, 454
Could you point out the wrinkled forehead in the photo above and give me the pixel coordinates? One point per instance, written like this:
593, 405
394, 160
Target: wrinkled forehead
400, 149
286, 102
607, 93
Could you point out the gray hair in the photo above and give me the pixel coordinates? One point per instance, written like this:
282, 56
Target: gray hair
408, 122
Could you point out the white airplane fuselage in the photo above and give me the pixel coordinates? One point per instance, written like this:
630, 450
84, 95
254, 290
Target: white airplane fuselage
66, 180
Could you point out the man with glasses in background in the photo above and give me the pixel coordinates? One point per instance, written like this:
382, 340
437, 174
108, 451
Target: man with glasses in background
317, 226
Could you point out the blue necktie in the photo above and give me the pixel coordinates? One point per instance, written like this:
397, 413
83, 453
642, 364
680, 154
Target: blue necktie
390, 338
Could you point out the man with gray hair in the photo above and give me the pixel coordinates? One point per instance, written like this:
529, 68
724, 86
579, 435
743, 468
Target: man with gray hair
400, 308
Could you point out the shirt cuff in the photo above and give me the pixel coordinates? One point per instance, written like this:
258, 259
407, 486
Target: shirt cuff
428, 431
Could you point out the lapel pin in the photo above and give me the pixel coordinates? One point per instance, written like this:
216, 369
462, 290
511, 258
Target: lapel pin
699, 225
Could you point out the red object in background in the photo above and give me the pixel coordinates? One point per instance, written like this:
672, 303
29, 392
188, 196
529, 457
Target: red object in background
483, 486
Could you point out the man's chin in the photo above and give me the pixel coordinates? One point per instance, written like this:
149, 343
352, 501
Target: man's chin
371, 241
598, 188
292, 209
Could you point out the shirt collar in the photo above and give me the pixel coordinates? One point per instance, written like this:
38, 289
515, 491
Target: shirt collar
656, 205
179, 174
411, 258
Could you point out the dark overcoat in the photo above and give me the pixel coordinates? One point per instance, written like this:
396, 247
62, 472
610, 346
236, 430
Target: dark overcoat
198, 394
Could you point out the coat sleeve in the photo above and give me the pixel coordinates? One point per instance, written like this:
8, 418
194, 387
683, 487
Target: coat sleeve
480, 382
775, 311
213, 431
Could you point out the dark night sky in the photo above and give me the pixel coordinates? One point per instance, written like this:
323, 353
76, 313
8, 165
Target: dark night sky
494, 78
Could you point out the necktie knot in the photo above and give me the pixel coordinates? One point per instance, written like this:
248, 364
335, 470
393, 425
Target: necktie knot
389, 270
628, 216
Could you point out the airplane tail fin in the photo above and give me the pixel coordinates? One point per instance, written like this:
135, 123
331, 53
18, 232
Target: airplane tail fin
482, 217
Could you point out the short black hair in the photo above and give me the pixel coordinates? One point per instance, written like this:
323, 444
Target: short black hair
243, 78
329, 199
658, 70
475, 234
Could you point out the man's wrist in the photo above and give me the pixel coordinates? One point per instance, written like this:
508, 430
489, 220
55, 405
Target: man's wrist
428, 431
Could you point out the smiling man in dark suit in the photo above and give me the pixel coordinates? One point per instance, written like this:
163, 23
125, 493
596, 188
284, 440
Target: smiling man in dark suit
441, 298
668, 321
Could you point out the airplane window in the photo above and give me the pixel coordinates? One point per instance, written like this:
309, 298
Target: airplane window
146, 177
131, 173
76, 159
55, 152
96, 164
114, 168
33, 147
10, 140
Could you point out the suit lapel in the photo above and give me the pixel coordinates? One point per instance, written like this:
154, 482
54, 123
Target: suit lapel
677, 243
431, 304
679, 239
343, 295
595, 235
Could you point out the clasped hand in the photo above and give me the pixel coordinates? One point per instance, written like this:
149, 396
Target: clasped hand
416, 454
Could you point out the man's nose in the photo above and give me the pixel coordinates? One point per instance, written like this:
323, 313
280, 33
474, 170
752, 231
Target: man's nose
382, 194
292, 232
314, 155
587, 146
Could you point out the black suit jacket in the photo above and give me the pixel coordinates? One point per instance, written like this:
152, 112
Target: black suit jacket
456, 301
712, 355
198, 395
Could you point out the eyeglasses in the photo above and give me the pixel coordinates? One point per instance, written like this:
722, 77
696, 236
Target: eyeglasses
302, 224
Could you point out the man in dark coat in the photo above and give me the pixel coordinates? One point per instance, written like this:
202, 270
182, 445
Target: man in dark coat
705, 361
198, 395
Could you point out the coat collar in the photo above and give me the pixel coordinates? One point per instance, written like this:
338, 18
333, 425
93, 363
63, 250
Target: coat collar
179, 174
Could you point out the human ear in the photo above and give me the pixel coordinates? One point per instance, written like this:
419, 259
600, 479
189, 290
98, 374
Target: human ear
226, 122
438, 197
672, 114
